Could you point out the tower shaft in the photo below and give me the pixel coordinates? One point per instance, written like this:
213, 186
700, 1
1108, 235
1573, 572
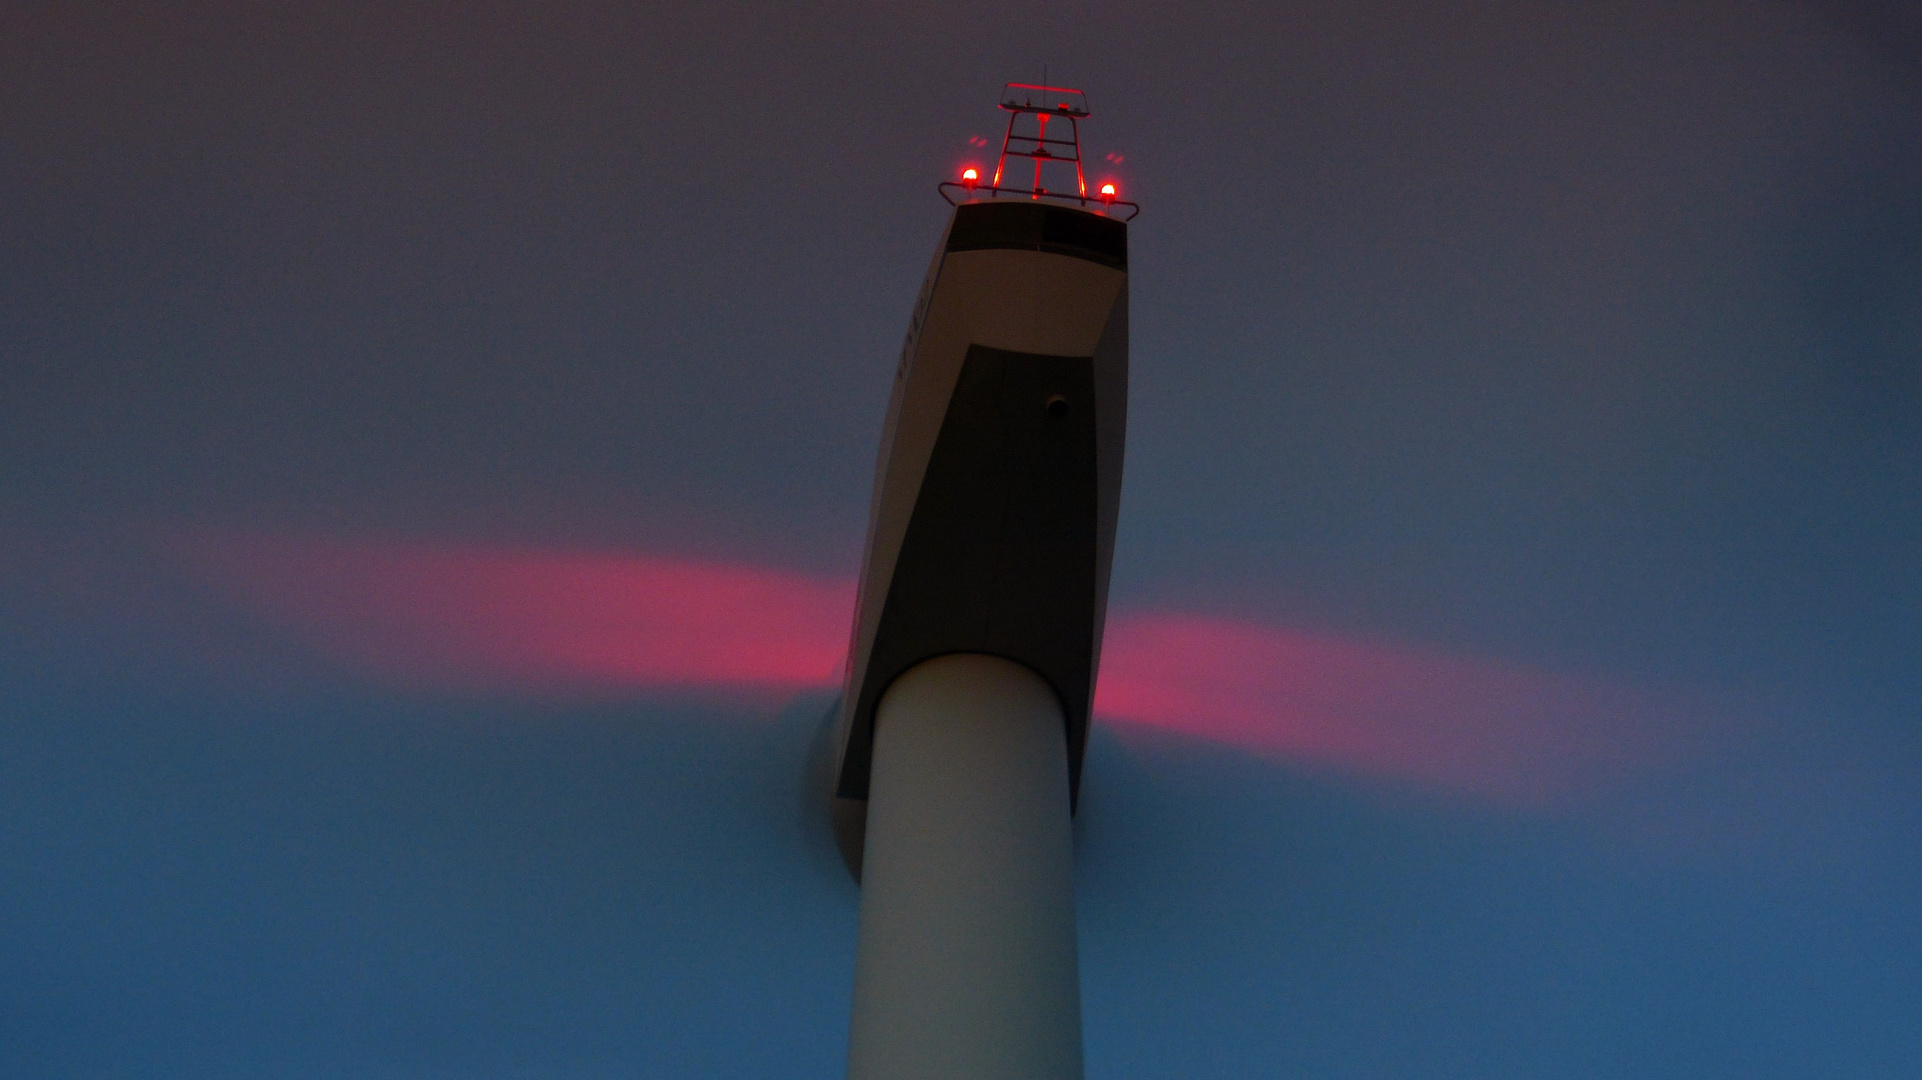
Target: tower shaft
966, 968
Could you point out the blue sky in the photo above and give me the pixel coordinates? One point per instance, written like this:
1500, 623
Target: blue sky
1576, 342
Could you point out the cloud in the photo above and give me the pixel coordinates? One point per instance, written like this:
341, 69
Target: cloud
1461, 723
487, 618
480, 619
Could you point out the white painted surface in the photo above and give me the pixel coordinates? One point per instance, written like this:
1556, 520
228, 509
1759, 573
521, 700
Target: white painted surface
967, 958
1022, 301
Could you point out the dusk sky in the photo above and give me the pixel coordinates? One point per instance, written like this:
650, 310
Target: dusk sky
436, 443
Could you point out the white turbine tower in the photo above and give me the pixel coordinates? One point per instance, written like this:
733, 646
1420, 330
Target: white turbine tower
970, 678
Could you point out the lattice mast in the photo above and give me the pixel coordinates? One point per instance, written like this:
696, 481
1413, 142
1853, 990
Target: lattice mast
1020, 99
1031, 108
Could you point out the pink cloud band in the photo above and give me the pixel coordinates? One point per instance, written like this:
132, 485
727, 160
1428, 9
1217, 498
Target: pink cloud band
473, 618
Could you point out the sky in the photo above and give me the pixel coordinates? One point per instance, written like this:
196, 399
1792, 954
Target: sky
435, 446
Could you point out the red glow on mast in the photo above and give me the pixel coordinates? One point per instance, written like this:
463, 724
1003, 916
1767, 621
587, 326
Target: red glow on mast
1030, 107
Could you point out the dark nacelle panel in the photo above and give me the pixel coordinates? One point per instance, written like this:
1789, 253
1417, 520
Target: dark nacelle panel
1000, 552
1039, 226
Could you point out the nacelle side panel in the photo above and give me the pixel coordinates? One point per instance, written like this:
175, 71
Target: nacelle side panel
998, 485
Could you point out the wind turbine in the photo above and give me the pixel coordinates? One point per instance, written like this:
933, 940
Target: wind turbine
977, 631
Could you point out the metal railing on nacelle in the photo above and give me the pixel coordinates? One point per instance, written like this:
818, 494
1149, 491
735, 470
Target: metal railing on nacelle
1099, 204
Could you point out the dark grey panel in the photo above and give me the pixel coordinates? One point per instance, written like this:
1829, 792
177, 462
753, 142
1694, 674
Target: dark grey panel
1038, 226
999, 555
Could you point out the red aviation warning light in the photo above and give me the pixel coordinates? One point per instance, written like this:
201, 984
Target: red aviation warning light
1057, 173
